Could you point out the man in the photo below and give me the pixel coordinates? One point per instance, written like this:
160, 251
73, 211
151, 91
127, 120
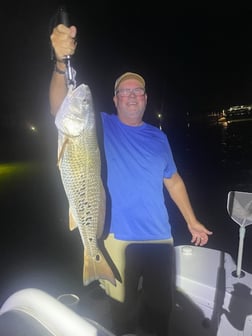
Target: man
139, 163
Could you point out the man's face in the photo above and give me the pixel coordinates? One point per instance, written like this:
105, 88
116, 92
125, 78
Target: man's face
130, 100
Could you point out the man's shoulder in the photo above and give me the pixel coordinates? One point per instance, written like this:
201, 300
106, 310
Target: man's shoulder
109, 120
108, 116
155, 129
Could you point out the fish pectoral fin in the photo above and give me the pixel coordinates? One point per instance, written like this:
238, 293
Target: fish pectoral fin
97, 268
61, 151
72, 222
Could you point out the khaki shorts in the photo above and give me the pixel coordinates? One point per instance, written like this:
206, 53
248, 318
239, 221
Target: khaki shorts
116, 249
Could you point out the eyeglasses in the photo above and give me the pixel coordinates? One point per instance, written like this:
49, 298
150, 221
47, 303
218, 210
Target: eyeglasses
127, 92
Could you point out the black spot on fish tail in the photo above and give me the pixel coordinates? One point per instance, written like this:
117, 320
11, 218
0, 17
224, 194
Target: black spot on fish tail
97, 268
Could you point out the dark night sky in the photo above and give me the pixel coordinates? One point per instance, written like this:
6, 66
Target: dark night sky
194, 59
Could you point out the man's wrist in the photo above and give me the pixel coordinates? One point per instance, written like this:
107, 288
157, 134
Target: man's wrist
59, 71
60, 67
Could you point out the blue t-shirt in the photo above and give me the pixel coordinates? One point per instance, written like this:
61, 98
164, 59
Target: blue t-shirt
138, 158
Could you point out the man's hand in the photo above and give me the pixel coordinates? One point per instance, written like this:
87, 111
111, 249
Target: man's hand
63, 41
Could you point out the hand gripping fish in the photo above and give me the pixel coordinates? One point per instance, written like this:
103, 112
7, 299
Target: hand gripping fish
79, 163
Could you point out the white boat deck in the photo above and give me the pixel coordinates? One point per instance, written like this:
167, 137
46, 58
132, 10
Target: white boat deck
210, 301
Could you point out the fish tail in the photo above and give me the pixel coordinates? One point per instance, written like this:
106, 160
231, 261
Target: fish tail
97, 268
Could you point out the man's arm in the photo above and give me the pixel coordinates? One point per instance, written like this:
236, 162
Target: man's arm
58, 88
63, 43
177, 190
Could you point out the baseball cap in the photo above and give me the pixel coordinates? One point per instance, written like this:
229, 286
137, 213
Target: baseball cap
129, 75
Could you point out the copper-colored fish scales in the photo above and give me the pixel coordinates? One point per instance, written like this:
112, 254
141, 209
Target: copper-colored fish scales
80, 168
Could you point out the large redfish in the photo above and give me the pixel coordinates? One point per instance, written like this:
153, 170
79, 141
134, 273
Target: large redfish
79, 162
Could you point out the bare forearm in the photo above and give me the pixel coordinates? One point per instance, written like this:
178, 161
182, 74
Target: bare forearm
63, 43
177, 190
179, 195
58, 88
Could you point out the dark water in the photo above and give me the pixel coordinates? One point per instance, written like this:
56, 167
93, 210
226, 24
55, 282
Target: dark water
214, 160
38, 250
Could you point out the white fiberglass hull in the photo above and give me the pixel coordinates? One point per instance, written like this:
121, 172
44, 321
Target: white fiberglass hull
211, 299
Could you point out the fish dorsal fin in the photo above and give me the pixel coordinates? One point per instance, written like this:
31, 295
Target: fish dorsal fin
72, 222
